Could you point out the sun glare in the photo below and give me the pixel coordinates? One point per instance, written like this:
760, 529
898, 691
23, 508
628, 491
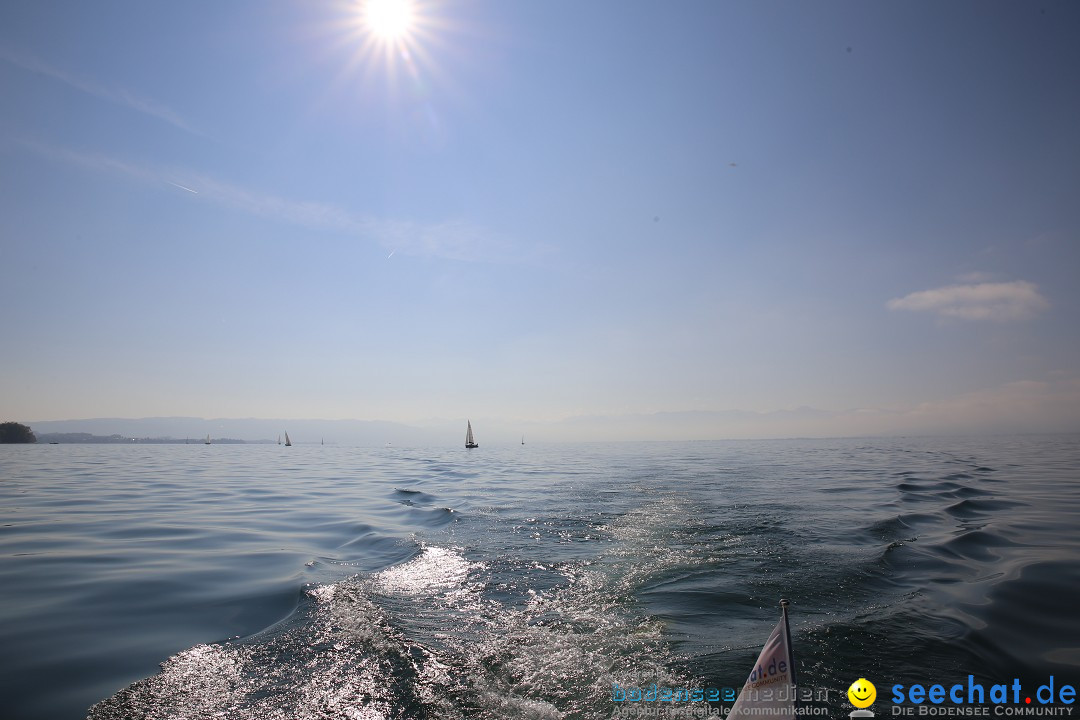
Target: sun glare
389, 19
390, 39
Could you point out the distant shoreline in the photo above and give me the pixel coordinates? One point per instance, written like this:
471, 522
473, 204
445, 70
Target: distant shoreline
88, 439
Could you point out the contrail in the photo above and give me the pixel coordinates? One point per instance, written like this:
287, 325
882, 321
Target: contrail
391, 254
182, 187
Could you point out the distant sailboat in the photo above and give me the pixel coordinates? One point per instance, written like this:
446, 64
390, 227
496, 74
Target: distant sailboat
207, 440
288, 442
278, 439
470, 441
522, 439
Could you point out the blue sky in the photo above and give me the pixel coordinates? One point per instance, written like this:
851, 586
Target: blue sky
529, 211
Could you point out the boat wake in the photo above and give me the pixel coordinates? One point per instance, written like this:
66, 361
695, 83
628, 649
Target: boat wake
436, 636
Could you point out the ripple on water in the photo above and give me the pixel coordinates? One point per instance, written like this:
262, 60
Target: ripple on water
409, 584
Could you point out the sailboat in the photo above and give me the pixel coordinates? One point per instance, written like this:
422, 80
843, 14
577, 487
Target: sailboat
288, 442
278, 439
771, 690
522, 439
207, 439
470, 441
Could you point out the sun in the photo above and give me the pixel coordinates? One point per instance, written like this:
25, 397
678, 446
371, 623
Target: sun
389, 20
391, 39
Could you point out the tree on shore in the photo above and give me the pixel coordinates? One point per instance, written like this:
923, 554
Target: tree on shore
13, 432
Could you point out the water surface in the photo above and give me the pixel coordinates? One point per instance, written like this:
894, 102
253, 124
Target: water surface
191, 581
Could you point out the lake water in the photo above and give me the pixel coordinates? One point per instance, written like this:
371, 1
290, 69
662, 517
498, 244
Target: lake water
258, 581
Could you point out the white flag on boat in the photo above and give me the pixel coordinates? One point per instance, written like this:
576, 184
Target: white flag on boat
769, 692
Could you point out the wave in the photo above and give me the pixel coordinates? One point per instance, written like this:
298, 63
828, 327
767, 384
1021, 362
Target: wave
489, 593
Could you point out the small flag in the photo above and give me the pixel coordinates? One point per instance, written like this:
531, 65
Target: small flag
770, 691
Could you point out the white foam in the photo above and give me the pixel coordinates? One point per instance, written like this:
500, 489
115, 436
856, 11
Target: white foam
433, 571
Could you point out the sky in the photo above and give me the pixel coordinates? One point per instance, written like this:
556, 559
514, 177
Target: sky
544, 211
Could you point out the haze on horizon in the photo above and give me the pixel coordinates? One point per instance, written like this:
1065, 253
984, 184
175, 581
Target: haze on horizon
536, 212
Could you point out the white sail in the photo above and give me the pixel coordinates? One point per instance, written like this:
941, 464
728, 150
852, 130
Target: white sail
770, 690
470, 441
288, 442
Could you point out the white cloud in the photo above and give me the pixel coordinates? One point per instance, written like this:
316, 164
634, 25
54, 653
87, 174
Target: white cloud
452, 239
118, 96
94, 161
1016, 300
306, 213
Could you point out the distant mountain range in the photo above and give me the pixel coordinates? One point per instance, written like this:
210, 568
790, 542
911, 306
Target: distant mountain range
90, 439
440, 432
690, 425
179, 429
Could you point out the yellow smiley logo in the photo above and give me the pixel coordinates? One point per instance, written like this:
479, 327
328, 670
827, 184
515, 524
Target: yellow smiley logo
862, 693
